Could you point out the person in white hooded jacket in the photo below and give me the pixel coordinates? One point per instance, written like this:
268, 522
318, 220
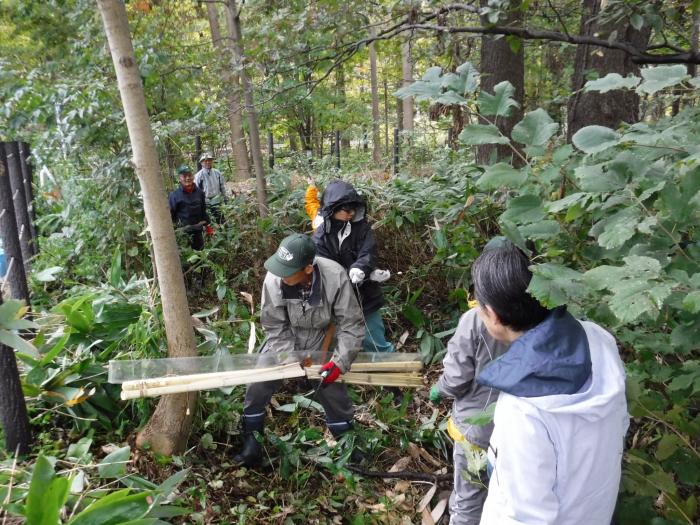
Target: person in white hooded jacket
556, 450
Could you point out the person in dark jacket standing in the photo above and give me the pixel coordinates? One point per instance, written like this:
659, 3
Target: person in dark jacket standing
346, 237
188, 209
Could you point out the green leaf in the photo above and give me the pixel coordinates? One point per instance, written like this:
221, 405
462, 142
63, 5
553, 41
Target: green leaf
115, 511
500, 103
427, 88
115, 269
206, 313
535, 129
413, 314
637, 21
478, 134
545, 229
660, 77
554, 284
47, 494
502, 175
593, 139
691, 302
667, 445
48, 274
615, 230
567, 202
114, 464
612, 81
523, 209
482, 418
12, 340
597, 179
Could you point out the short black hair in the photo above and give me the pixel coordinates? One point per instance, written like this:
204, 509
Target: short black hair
501, 276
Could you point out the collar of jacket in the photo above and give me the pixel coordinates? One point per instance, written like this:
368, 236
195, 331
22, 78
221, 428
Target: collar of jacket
294, 292
550, 359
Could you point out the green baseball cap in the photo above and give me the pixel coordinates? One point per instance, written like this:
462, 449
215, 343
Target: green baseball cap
295, 252
184, 169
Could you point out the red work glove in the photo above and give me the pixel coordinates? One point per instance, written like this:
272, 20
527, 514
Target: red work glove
332, 372
210, 230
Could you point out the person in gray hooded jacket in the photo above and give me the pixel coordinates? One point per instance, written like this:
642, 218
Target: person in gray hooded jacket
302, 295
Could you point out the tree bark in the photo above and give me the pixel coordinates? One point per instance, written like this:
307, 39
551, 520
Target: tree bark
13, 410
169, 427
614, 107
340, 87
376, 139
16, 278
407, 77
234, 30
233, 97
28, 180
19, 201
498, 64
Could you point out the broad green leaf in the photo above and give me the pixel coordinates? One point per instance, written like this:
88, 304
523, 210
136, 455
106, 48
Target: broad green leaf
523, 209
502, 175
554, 284
80, 452
427, 88
206, 313
478, 134
544, 229
562, 154
634, 298
169, 485
499, 104
450, 98
305, 402
659, 77
114, 464
612, 81
596, 179
666, 446
535, 129
115, 270
691, 302
55, 350
413, 314
514, 235
482, 418
48, 274
637, 21
615, 230
12, 312
12, 340
593, 139
567, 202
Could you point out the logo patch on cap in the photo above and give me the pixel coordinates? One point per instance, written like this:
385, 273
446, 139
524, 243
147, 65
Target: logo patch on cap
284, 254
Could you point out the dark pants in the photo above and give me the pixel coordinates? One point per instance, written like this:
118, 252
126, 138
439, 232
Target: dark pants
215, 213
196, 240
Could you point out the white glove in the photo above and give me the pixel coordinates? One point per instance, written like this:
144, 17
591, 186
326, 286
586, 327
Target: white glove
379, 275
356, 275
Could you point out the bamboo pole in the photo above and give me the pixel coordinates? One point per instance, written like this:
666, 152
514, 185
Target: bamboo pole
408, 380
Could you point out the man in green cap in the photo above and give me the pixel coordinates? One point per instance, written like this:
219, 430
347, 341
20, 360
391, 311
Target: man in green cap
188, 209
302, 295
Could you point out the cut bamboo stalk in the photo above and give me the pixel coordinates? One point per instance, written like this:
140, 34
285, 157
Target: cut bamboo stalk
238, 377
389, 366
408, 380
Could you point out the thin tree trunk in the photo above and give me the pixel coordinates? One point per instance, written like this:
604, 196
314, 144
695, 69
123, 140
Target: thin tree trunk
376, 139
499, 63
407, 76
399, 114
167, 430
614, 107
13, 410
386, 118
28, 180
234, 30
340, 86
19, 201
233, 97
16, 278
293, 146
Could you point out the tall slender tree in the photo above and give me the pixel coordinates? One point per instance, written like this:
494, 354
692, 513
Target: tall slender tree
376, 139
235, 34
167, 430
16, 278
28, 181
233, 97
407, 79
19, 201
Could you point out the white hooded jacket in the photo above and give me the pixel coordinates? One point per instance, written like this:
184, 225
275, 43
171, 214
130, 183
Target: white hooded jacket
556, 458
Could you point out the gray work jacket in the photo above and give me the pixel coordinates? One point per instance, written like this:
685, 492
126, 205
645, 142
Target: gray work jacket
294, 324
468, 352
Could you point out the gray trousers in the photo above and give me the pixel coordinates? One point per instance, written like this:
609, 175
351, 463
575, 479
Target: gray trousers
467, 498
333, 397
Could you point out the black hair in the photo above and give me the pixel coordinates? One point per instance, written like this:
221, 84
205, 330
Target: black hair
501, 276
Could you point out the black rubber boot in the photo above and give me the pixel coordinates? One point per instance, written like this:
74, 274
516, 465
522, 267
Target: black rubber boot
251, 453
338, 430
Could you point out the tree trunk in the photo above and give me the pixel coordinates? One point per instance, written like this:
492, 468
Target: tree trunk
234, 31
386, 118
399, 114
233, 97
169, 426
13, 410
499, 63
16, 278
19, 201
28, 180
376, 139
407, 76
293, 146
614, 107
